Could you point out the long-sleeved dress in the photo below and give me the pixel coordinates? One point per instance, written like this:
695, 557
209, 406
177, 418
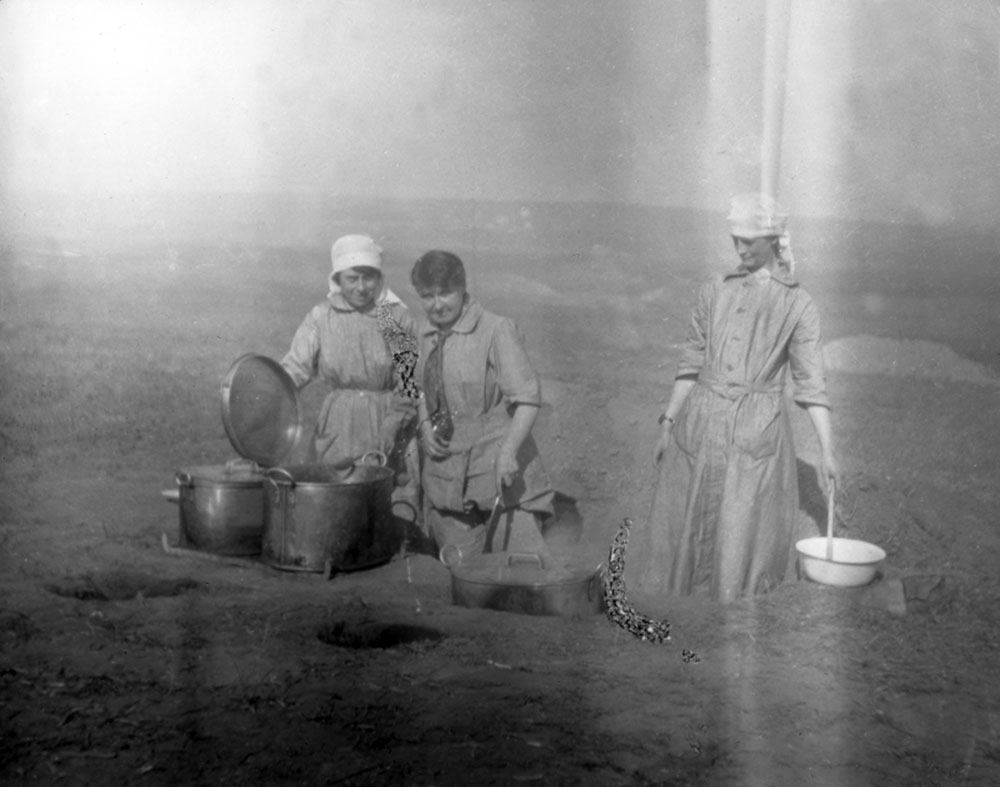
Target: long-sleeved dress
347, 351
486, 373
723, 513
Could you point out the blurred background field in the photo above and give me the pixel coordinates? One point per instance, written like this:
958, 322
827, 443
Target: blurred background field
122, 341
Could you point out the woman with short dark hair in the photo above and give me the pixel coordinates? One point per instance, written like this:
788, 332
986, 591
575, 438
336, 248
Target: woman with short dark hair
480, 400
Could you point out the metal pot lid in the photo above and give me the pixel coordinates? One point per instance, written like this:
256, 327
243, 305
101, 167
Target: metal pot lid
261, 409
238, 473
507, 569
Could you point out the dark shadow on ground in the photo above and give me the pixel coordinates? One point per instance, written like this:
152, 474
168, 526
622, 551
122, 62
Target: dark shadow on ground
566, 526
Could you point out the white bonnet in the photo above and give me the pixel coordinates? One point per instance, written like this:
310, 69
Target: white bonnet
352, 251
756, 215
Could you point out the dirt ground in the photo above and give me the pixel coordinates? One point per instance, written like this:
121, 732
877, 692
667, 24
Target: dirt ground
122, 664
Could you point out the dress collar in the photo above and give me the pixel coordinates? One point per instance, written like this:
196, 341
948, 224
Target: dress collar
340, 304
779, 275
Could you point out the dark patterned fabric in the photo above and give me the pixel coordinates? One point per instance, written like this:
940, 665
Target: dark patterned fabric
403, 346
620, 609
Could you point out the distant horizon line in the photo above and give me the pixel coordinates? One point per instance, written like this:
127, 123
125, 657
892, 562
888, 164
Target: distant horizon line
11, 195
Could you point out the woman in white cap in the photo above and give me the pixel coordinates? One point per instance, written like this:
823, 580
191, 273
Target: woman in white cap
354, 341
724, 511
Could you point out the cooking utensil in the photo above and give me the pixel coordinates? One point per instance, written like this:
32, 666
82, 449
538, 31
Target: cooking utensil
221, 507
527, 583
451, 554
829, 525
842, 562
491, 524
328, 519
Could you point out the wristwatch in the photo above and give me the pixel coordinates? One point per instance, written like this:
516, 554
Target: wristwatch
664, 417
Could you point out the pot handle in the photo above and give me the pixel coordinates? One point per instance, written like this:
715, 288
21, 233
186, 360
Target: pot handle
278, 475
237, 465
525, 557
450, 555
378, 456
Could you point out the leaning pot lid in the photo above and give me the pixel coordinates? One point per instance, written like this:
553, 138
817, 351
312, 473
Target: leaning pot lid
507, 569
260, 409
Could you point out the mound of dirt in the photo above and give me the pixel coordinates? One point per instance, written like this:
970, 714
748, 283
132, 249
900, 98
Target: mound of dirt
904, 358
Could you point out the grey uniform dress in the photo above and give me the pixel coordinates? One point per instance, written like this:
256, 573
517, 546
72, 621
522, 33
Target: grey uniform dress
724, 510
345, 349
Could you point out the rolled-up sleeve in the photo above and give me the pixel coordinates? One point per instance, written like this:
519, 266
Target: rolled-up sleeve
695, 341
805, 358
515, 376
301, 359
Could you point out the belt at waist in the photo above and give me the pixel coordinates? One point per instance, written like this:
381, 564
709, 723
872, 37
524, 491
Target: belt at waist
360, 391
734, 389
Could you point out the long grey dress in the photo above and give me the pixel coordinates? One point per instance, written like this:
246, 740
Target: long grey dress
724, 509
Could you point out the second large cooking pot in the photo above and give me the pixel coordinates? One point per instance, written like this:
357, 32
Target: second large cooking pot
323, 518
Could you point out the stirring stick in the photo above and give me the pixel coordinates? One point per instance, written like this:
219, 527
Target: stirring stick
409, 581
829, 525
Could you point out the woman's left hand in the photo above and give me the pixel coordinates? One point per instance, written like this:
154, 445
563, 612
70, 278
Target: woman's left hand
507, 469
830, 471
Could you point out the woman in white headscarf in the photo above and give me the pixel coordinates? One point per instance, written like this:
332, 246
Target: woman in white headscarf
360, 342
724, 511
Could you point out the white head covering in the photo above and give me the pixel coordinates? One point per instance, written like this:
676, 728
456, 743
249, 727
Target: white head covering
756, 215
356, 251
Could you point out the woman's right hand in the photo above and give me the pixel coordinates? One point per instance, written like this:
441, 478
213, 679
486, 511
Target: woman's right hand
661, 444
434, 445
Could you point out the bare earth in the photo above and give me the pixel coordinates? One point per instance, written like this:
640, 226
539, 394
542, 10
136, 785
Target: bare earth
120, 664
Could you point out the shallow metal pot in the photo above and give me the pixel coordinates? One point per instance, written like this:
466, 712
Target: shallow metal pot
324, 518
528, 584
222, 508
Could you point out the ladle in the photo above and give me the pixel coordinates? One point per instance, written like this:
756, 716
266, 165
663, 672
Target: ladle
829, 524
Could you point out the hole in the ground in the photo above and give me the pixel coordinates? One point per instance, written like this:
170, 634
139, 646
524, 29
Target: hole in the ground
119, 586
376, 635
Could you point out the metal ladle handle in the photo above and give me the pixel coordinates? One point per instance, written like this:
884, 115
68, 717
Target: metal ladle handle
829, 524
278, 475
525, 557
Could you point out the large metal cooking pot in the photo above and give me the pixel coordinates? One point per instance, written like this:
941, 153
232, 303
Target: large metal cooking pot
323, 518
222, 506
527, 583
